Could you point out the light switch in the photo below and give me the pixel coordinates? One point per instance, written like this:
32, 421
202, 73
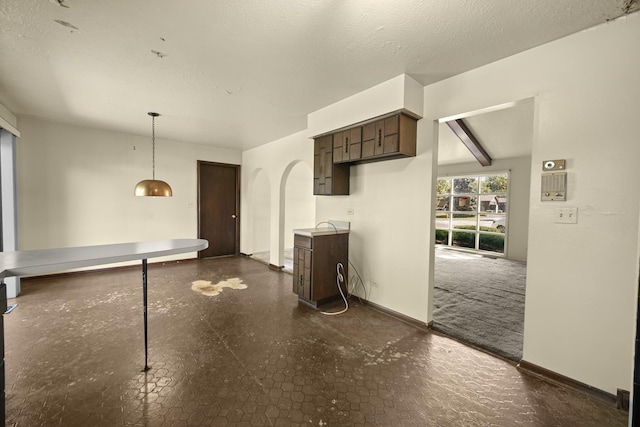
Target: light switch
566, 215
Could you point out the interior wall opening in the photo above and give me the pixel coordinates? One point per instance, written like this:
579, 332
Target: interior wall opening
481, 230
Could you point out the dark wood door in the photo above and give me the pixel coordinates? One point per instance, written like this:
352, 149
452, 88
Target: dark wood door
218, 208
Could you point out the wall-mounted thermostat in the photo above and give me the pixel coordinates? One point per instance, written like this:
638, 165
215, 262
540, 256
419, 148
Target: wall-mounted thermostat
554, 186
553, 165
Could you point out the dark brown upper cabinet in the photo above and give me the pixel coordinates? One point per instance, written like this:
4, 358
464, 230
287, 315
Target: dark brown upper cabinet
328, 179
384, 138
390, 137
347, 145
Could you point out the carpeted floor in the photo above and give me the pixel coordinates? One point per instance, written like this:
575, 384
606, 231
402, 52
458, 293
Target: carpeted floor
480, 301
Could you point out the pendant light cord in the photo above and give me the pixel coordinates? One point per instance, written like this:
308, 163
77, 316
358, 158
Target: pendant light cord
153, 146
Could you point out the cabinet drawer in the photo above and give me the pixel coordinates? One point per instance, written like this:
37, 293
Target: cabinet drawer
302, 241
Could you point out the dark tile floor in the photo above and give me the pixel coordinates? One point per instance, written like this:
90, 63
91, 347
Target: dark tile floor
255, 356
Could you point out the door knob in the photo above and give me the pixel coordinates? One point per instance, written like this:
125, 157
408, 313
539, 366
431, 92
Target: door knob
233, 216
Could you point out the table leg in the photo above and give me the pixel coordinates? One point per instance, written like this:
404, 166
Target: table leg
144, 301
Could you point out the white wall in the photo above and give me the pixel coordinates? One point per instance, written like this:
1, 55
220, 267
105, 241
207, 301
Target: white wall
582, 279
281, 161
259, 221
299, 201
75, 186
9, 211
518, 203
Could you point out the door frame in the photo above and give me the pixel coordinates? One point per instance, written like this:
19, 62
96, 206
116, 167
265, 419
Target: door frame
237, 168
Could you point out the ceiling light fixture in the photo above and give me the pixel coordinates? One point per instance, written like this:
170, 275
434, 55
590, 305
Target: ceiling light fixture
153, 187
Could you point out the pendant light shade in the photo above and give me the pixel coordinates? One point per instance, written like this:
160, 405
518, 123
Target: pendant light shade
153, 187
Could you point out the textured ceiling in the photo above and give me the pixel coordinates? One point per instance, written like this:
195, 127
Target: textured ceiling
239, 74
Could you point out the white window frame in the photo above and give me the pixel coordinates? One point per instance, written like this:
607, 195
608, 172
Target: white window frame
477, 212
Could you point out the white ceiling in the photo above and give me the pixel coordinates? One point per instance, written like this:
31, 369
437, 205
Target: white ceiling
239, 74
504, 134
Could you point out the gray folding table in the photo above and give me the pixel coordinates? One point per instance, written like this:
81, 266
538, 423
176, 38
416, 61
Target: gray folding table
46, 261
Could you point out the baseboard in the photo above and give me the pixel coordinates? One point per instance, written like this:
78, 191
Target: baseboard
268, 264
567, 382
426, 327
622, 400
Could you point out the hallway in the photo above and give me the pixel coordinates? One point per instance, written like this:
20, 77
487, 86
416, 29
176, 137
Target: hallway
254, 356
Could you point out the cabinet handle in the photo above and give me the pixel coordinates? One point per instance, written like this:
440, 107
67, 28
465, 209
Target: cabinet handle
346, 145
379, 137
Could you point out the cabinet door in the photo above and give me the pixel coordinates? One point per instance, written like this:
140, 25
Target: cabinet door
391, 144
368, 140
379, 138
306, 278
391, 125
322, 165
298, 270
391, 135
338, 152
355, 144
302, 252
302, 272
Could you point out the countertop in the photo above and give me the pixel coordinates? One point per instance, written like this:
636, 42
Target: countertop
320, 231
46, 261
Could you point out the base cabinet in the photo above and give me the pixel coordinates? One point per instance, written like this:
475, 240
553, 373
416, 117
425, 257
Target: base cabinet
315, 260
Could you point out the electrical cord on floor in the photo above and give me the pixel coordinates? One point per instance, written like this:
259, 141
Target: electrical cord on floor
339, 281
355, 283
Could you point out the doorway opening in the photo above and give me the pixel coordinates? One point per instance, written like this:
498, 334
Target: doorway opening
296, 210
482, 229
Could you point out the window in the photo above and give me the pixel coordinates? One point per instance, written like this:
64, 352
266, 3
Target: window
471, 212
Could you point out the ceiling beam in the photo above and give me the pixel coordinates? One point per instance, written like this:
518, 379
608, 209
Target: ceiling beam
470, 141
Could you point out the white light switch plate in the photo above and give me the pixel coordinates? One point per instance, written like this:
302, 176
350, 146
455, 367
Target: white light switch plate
566, 215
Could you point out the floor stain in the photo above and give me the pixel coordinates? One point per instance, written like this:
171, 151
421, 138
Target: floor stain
206, 288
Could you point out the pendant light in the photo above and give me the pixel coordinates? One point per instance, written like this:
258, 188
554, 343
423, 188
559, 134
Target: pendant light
153, 187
